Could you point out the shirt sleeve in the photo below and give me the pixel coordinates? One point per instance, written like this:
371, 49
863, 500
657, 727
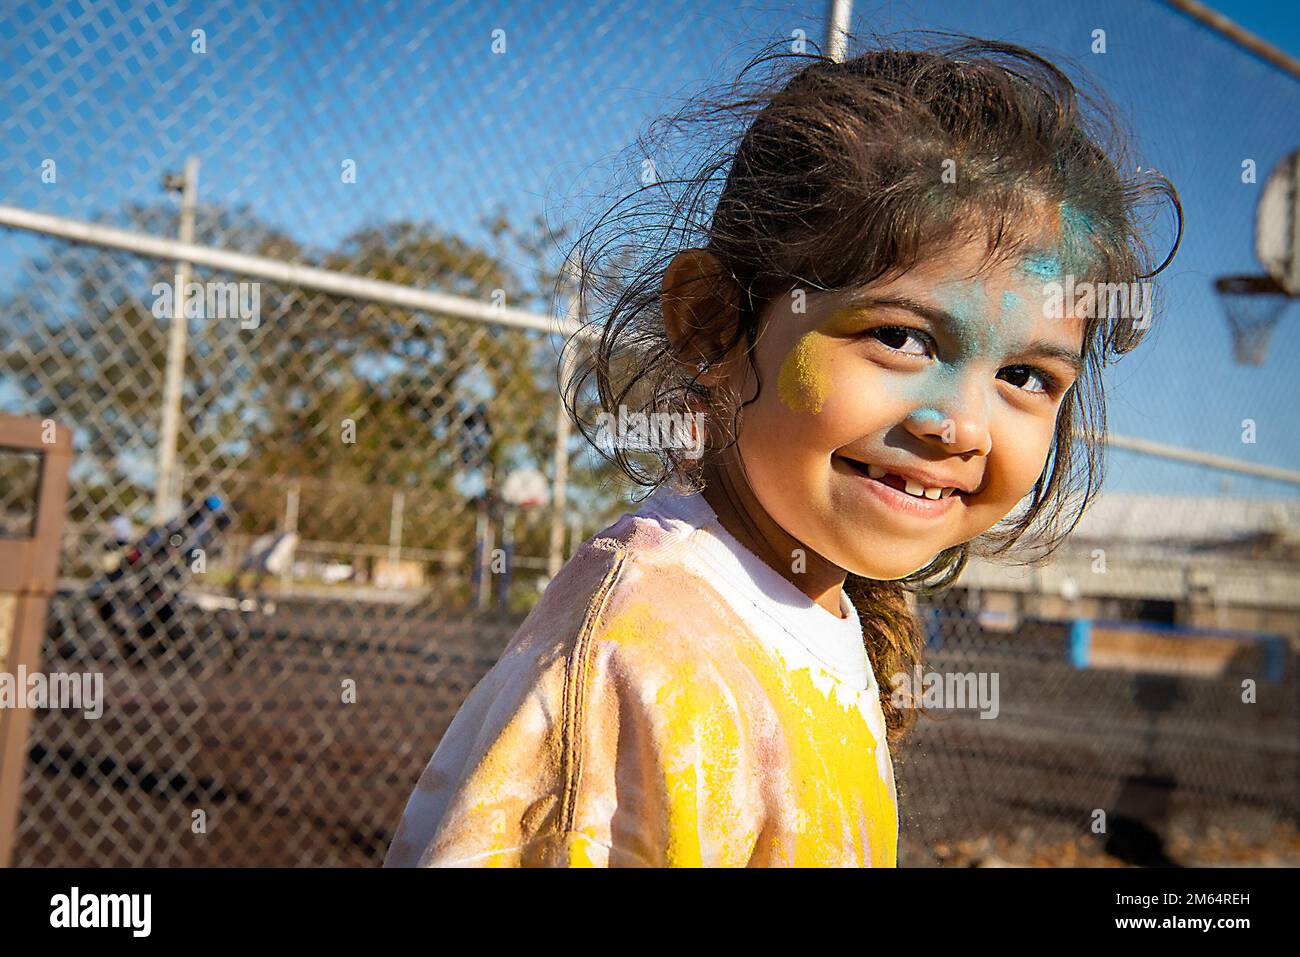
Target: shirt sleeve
491, 794
623, 750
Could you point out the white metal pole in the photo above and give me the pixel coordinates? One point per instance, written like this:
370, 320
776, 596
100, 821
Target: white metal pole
290, 528
480, 543
837, 27
485, 566
1159, 450
559, 489
395, 532
508, 556
559, 500
275, 270
164, 500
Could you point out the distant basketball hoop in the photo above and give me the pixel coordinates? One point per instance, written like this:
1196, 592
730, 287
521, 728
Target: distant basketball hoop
1254, 304
526, 488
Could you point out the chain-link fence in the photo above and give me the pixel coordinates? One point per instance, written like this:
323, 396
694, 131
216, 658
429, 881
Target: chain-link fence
290, 550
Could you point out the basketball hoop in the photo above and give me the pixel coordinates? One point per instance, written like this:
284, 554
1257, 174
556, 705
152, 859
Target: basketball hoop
1253, 305
525, 489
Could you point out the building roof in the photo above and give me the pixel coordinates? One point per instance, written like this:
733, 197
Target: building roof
1188, 520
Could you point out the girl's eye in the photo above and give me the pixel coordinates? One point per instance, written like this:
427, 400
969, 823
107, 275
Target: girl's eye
902, 339
1027, 378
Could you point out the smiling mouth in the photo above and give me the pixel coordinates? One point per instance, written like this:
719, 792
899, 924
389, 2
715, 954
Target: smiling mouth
905, 485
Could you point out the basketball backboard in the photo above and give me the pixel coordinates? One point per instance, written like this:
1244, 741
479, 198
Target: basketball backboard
1277, 224
1255, 303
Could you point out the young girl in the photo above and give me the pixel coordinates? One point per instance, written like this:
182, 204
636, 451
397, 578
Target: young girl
869, 333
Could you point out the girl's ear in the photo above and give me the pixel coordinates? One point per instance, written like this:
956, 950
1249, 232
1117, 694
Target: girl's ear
701, 312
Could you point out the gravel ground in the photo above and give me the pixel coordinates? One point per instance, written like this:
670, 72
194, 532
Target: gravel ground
1215, 847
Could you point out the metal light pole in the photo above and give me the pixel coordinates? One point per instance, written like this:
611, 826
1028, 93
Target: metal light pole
837, 28
164, 501
559, 490
290, 528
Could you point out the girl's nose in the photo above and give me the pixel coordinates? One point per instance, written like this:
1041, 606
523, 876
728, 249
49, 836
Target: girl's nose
960, 426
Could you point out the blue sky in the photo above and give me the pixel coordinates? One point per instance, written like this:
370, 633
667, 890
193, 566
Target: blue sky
443, 130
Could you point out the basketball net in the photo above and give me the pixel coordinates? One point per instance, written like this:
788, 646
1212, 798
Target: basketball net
1253, 305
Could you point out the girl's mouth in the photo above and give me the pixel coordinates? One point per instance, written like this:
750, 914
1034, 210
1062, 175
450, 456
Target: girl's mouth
904, 494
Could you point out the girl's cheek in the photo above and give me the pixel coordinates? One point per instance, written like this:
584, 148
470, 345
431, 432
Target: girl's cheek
1019, 454
827, 395
869, 399
803, 383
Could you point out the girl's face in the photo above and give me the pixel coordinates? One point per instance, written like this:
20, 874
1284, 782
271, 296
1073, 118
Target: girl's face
908, 416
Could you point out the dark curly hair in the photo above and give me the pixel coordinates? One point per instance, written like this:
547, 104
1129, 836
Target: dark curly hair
830, 175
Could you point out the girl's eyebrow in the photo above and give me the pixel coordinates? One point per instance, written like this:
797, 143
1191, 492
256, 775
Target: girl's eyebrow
933, 314
1050, 350
941, 317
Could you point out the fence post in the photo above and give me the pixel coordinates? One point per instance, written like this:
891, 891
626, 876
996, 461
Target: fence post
28, 569
173, 382
508, 554
395, 531
559, 490
290, 528
483, 557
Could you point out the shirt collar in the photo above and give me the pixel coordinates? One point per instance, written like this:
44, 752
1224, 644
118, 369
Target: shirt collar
836, 642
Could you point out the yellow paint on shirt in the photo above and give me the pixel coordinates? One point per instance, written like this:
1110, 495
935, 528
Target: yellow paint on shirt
577, 849
492, 820
701, 762
847, 811
701, 750
831, 751
713, 749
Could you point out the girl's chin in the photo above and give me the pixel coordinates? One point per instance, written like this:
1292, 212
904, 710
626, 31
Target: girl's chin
889, 574
902, 560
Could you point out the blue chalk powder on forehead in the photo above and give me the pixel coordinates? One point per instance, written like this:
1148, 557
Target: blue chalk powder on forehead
1074, 252
1075, 222
1043, 266
965, 302
1077, 230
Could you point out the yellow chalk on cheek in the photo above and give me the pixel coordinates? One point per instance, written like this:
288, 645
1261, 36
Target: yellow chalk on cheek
802, 383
